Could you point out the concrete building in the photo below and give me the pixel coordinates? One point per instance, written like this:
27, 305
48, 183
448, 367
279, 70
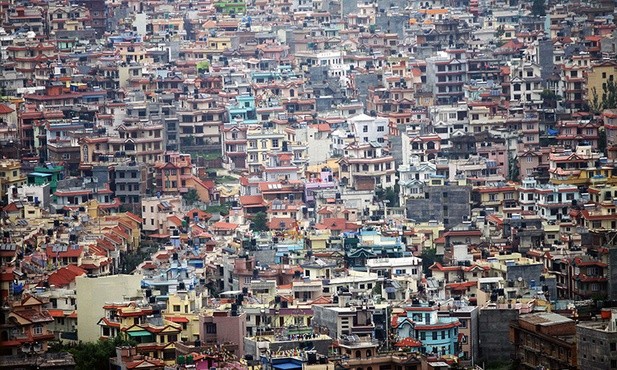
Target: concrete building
97, 292
597, 343
224, 327
35, 194
544, 340
493, 334
469, 342
447, 203
369, 129
341, 321
131, 182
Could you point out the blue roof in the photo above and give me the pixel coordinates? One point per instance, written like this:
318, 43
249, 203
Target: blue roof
287, 366
39, 174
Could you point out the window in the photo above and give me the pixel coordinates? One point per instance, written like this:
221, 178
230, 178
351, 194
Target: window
381, 128
275, 143
365, 128
37, 329
210, 328
176, 308
434, 335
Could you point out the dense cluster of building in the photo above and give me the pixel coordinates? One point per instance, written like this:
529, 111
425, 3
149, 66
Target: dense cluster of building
297, 184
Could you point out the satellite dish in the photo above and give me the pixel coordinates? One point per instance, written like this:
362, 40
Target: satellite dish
520, 278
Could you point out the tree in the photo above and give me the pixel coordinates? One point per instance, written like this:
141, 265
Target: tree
538, 8
602, 140
93, 355
203, 66
260, 222
608, 100
191, 197
429, 257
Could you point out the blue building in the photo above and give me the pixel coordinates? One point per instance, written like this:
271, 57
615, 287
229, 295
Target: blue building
243, 109
438, 335
369, 244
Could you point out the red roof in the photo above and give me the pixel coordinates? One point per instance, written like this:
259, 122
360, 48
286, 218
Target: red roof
133, 217
288, 223
252, 201
69, 253
175, 220
65, 275
224, 226
56, 313
337, 224
408, 342
178, 319
5, 109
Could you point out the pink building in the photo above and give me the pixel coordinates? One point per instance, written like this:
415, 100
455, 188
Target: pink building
221, 327
496, 152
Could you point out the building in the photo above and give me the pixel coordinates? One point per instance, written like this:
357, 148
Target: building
597, 342
494, 334
224, 327
449, 204
10, 176
366, 166
343, 320
438, 335
26, 327
97, 292
544, 340
597, 78
131, 180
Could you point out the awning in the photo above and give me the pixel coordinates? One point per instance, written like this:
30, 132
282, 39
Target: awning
178, 319
287, 366
138, 333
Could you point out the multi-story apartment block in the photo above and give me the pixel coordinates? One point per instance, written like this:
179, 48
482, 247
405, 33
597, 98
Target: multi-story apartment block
131, 181
597, 342
551, 202
574, 76
525, 83
576, 167
261, 142
438, 335
10, 176
501, 197
544, 339
446, 75
578, 132
369, 129
609, 117
26, 326
597, 80
366, 166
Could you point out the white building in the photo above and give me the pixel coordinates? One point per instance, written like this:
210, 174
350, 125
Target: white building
35, 194
369, 129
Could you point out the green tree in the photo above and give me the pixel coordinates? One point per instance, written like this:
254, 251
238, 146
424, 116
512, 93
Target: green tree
391, 196
538, 8
191, 197
602, 140
260, 222
203, 66
549, 98
608, 100
429, 257
93, 355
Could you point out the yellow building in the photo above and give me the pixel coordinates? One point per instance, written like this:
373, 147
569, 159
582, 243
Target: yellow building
10, 175
182, 309
599, 75
153, 340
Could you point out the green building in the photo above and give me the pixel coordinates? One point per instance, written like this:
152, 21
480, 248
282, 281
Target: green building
47, 174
